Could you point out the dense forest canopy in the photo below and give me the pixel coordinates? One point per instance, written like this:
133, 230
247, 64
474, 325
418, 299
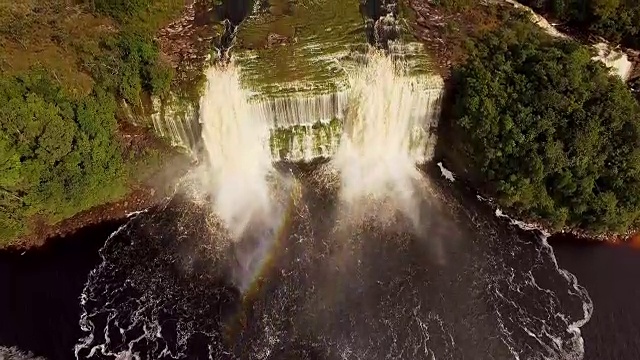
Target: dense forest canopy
66, 69
553, 134
615, 20
57, 154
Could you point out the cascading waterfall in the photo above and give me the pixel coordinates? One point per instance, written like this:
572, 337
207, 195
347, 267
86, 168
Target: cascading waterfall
248, 195
303, 127
236, 141
305, 140
283, 112
305, 116
176, 121
387, 131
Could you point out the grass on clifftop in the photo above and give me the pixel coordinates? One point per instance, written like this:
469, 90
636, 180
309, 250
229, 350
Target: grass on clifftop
65, 68
299, 45
70, 41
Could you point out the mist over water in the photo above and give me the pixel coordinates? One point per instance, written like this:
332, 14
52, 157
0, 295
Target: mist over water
239, 161
388, 130
248, 195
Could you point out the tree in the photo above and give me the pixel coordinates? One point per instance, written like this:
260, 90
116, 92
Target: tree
615, 20
58, 155
553, 134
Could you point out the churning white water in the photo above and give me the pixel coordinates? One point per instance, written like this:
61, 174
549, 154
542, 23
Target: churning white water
237, 145
387, 131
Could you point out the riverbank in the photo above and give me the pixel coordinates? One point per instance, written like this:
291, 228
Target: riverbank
141, 196
40, 308
453, 160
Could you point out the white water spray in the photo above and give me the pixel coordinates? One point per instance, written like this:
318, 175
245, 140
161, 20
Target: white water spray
237, 144
387, 132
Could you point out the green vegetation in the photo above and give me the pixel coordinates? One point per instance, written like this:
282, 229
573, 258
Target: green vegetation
459, 23
58, 155
550, 132
455, 5
65, 70
615, 20
129, 65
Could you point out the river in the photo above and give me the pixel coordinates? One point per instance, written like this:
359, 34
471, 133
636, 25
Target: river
466, 286
610, 274
39, 303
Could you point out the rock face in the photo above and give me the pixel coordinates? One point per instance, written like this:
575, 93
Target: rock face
188, 42
276, 39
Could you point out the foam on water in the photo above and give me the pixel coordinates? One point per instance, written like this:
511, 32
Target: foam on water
550, 344
13, 353
85, 322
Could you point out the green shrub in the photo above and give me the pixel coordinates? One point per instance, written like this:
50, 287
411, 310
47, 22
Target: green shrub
130, 64
121, 9
58, 148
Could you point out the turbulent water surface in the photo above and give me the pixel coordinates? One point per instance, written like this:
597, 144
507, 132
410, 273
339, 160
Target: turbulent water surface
363, 256
462, 285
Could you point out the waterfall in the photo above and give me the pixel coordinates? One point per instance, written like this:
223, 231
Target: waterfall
282, 112
177, 121
383, 86
237, 145
309, 126
300, 88
387, 131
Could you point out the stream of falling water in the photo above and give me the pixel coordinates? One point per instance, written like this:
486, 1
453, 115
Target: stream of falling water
388, 131
237, 145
